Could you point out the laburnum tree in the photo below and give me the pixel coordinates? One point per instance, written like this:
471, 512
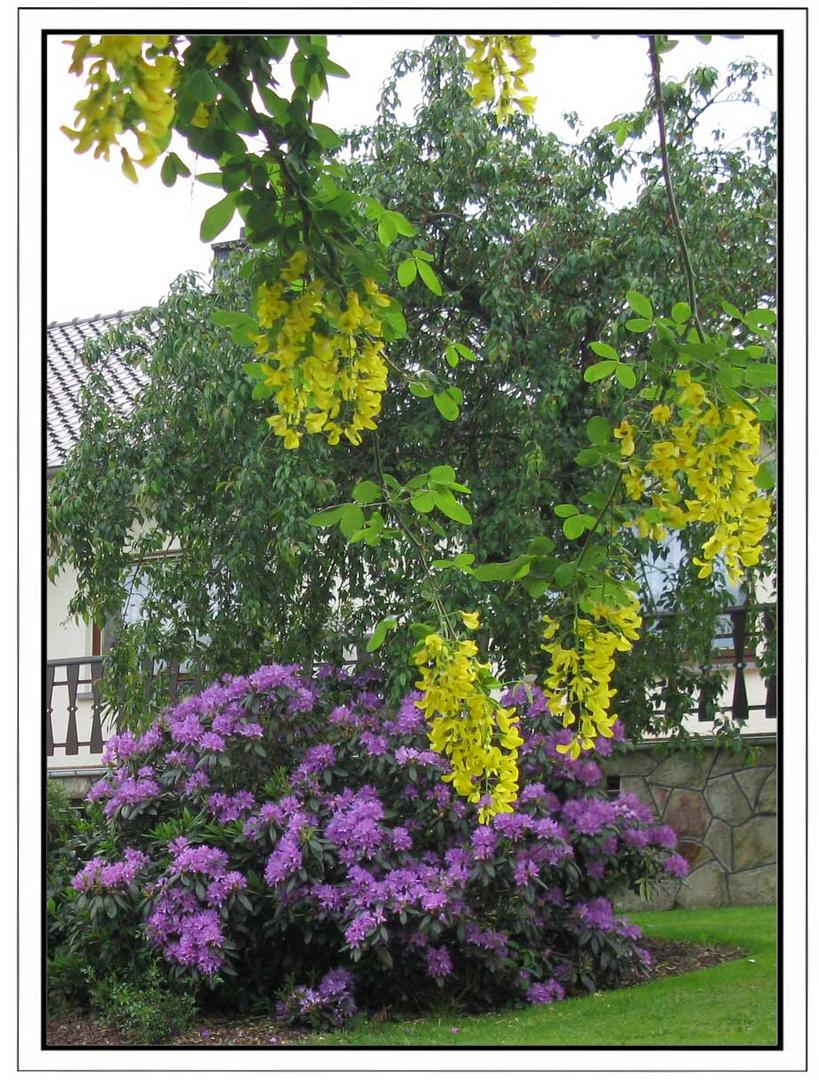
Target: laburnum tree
485, 389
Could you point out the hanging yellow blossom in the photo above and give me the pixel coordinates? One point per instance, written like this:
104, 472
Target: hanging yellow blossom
479, 736
578, 681
493, 79
703, 471
127, 92
325, 356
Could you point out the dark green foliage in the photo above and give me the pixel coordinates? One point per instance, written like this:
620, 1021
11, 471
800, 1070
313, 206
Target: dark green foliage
146, 1010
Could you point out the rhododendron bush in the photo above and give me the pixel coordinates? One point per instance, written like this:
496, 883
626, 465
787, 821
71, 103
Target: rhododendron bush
283, 835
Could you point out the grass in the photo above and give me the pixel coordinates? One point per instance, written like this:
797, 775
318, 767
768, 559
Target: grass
732, 1004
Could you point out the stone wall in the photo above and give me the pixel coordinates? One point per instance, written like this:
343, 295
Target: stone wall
723, 809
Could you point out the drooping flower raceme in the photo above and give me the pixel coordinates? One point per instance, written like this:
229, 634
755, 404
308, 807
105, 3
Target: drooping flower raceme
130, 88
578, 681
493, 79
478, 736
323, 355
702, 470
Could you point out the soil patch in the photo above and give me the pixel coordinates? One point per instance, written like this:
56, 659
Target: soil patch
668, 958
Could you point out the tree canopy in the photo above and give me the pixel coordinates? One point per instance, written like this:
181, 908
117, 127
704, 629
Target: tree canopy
523, 268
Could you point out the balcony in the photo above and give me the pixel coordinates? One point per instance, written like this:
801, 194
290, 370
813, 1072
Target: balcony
78, 722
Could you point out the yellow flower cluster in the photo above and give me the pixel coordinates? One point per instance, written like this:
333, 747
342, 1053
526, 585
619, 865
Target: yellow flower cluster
494, 79
330, 370
127, 92
479, 737
578, 682
704, 472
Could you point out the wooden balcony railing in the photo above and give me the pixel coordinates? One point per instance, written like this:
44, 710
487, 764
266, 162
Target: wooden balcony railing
77, 721
77, 718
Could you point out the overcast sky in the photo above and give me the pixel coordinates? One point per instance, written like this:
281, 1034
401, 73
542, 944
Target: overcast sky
115, 246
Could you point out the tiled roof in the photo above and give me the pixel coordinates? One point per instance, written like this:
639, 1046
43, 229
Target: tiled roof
65, 374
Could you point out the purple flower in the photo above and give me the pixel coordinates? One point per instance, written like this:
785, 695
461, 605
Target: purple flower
409, 719
361, 926
212, 742
199, 860
545, 993
375, 745
439, 962
285, 859
196, 781
354, 827
596, 914
676, 865
226, 808
400, 839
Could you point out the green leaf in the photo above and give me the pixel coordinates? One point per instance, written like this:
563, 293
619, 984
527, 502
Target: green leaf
600, 348
625, 376
427, 275
446, 405
420, 390
332, 68
574, 527
590, 455
441, 474
729, 309
326, 137
765, 408
221, 317
451, 355
760, 317
765, 477
446, 502
621, 134
565, 510
638, 326
200, 86
262, 391
404, 227
379, 634
421, 630
173, 166
394, 323
324, 518
407, 271
599, 371
366, 492
640, 304
277, 107
540, 545
212, 179
217, 218
564, 574
598, 430
422, 502
503, 571
681, 312
351, 519
465, 352
387, 230
760, 375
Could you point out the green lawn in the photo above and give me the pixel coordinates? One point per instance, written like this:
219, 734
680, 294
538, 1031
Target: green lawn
730, 1004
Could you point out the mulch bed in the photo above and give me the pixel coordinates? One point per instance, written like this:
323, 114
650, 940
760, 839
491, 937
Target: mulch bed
669, 958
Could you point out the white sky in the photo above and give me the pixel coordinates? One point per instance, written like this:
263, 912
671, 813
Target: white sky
116, 246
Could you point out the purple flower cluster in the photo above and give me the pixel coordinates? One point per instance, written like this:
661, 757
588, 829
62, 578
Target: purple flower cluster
544, 993
97, 874
189, 934
330, 1004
